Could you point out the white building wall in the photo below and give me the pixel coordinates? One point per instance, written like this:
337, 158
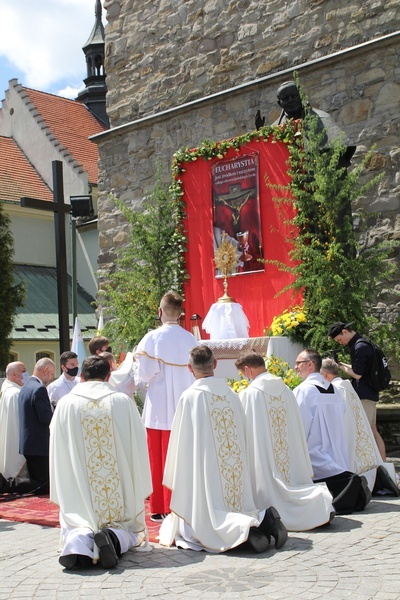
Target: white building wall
19, 119
33, 230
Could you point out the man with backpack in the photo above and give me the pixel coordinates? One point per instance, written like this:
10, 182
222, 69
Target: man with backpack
364, 371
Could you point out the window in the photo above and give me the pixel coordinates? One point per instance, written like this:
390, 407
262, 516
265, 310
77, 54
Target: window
44, 354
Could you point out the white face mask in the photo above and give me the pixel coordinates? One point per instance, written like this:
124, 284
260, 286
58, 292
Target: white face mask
25, 377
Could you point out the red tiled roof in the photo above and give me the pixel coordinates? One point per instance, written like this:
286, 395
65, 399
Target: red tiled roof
17, 176
72, 124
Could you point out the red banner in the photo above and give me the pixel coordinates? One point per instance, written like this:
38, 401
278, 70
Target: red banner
258, 291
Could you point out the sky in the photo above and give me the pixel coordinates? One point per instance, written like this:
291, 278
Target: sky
41, 44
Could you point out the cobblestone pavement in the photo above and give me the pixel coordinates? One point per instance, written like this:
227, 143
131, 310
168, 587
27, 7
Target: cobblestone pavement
356, 557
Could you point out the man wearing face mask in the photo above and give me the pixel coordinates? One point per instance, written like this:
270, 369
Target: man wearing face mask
12, 463
35, 414
68, 379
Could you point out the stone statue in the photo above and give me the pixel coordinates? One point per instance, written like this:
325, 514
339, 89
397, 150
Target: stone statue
292, 108
290, 101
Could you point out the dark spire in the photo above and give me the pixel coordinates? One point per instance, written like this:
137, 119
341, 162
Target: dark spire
97, 34
94, 94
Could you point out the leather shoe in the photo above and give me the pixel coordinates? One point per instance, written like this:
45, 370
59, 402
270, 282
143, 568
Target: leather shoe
107, 551
367, 492
3, 484
272, 525
385, 482
257, 540
68, 561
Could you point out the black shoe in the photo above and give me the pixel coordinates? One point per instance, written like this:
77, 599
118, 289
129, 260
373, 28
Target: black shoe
3, 484
72, 561
107, 551
68, 561
84, 561
257, 540
383, 481
158, 517
364, 495
272, 525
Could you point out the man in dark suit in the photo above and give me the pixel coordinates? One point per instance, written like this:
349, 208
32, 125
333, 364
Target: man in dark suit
35, 414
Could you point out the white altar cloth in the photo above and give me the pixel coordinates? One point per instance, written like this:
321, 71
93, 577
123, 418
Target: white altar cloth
226, 320
227, 351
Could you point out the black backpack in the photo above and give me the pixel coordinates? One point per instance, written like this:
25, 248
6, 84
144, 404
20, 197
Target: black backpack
379, 376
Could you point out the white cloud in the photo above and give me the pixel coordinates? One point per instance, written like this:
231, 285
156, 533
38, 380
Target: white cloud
70, 92
43, 39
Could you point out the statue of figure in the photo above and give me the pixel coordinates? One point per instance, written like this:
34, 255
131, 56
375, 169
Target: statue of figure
292, 108
290, 101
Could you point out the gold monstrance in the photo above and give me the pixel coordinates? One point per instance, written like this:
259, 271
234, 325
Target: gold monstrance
226, 260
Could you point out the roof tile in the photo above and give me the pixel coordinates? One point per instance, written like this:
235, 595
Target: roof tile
72, 124
17, 176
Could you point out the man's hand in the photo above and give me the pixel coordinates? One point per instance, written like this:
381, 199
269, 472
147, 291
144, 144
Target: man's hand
348, 370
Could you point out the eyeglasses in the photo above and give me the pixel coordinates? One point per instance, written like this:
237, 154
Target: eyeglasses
298, 362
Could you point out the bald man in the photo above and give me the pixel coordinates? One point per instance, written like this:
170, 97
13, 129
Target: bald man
35, 413
11, 461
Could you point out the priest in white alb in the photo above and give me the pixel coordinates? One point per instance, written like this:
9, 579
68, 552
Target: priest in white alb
322, 410
12, 463
99, 470
212, 501
364, 456
279, 462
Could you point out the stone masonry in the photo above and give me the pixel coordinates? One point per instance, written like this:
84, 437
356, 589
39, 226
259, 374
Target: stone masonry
185, 71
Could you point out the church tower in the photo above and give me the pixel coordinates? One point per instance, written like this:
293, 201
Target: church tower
94, 94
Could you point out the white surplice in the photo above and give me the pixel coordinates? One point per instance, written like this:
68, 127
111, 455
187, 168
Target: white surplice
279, 462
323, 417
99, 467
123, 378
364, 456
207, 469
11, 461
163, 355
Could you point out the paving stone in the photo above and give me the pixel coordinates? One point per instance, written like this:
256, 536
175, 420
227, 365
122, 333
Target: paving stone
357, 559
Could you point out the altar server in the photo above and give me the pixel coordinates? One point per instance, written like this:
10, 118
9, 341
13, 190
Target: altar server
162, 357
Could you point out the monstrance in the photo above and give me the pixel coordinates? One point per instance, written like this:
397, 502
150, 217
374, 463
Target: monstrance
226, 260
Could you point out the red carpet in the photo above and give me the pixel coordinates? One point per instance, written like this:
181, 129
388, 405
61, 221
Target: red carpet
41, 511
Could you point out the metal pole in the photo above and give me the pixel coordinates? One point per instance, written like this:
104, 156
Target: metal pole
61, 256
74, 273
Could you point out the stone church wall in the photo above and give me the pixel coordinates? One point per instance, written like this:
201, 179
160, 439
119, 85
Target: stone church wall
184, 71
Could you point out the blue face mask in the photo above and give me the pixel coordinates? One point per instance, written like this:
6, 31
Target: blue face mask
25, 377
